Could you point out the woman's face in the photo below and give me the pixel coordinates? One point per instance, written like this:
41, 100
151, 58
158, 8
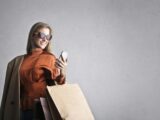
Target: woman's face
41, 38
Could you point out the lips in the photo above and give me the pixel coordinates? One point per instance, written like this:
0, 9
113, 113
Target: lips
43, 43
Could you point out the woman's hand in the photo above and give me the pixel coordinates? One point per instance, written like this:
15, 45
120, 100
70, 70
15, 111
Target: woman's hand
62, 65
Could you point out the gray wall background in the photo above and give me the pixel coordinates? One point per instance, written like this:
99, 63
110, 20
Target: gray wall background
113, 46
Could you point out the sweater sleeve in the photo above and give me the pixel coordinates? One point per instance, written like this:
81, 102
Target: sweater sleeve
53, 73
50, 81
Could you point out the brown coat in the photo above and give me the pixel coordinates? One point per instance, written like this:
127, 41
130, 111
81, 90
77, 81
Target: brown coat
10, 104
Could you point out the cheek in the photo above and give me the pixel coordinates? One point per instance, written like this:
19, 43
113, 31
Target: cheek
47, 44
36, 41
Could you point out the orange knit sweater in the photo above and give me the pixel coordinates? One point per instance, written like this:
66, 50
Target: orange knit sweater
32, 76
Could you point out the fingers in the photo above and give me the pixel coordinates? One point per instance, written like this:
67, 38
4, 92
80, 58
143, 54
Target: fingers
60, 64
64, 56
64, 60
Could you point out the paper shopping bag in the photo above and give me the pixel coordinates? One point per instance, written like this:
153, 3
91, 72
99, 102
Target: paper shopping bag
67, 102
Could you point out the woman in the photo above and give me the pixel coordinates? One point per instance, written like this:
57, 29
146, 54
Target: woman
28, 75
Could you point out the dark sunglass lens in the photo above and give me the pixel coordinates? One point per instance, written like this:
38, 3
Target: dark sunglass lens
42, 35
48, 37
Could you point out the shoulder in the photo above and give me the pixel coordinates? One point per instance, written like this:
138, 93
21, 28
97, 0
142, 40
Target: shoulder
17, 58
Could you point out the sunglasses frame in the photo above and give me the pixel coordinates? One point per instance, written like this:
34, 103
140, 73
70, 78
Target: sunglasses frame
42, 36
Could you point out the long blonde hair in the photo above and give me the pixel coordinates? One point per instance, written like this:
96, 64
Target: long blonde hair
34, 29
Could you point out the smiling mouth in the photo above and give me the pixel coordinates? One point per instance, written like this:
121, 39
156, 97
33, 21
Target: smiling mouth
42, 43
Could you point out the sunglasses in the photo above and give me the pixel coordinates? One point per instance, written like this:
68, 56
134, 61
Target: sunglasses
43, 36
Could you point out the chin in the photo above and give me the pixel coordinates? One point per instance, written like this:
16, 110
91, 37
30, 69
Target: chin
42, 46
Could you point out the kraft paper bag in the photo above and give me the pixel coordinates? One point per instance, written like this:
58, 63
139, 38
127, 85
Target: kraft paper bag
67, 102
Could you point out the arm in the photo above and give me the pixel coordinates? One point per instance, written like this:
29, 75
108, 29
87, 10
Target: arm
51, 81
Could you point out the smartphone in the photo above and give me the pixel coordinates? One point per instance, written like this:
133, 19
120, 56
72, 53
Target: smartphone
64, 56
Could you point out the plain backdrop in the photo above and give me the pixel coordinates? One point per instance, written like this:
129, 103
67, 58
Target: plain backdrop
113, 46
